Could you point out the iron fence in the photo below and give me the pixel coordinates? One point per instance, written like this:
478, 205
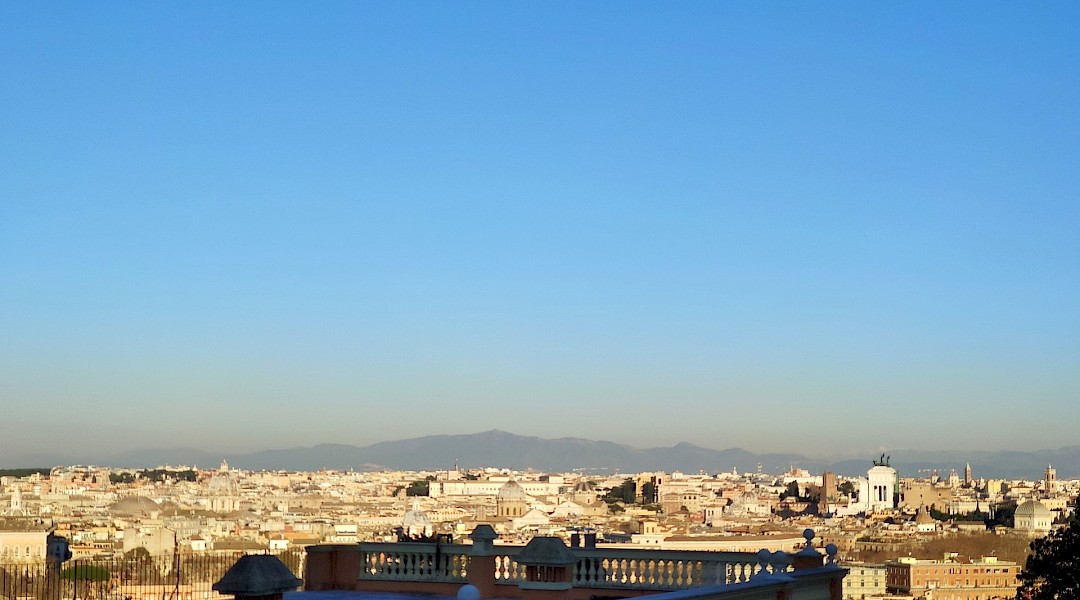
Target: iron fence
140, 577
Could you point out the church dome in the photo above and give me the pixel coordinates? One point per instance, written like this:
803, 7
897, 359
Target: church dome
415, 518
584, 486
512, 490
134, 506
223, 482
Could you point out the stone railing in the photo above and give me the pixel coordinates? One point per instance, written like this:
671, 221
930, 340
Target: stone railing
660, 569
414, 562
507, 570
822, 583
575, 573
596, 567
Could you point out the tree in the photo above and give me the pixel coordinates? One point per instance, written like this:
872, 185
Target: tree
138, 553
122, 477
623, 492
1001, 514
1052, 569
420, 487
85, 578
94, 573
648, 493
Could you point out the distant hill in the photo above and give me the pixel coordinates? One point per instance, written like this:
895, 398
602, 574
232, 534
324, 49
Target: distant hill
503, 449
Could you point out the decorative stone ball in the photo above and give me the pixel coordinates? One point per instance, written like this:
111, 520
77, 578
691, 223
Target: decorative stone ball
468, 592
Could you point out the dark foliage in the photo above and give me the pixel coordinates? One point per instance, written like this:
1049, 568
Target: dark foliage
1052, 569
19, 473
84, 572
625, 493
153, 475
420, 487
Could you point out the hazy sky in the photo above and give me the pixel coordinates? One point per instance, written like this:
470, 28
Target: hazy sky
830, 227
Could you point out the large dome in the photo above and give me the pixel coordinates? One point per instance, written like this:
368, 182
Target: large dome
512, 490
134, 506
1031, 508
1033, 515
223, 482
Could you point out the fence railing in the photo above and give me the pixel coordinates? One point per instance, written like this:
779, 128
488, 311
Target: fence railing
660, 569
139, 577
414, 562
596, 567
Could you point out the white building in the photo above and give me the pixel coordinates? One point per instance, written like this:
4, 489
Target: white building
1033, 516
882, 481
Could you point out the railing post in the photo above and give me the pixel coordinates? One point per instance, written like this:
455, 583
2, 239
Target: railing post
549, 569
332, 567
808, 557
481, 568
836, 584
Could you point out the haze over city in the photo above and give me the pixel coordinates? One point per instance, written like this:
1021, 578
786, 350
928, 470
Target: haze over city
827, 228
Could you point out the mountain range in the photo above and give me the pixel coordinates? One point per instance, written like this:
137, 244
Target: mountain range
502, 449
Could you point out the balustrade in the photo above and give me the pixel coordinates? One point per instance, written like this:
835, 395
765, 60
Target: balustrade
596, 567
808, 574
507, 570
414, 562
659, 569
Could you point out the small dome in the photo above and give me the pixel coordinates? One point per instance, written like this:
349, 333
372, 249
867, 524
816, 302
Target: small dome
584, 486
415, 518
512, 490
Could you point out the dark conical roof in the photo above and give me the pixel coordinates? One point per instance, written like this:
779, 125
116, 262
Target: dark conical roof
257, 575
543, 550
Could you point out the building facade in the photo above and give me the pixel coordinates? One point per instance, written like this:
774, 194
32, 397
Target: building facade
954, 578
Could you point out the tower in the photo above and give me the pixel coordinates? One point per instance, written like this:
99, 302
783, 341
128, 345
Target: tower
1050, 480
967, 475
830, 493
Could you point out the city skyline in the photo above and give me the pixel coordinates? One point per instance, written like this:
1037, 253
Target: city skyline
506, 450
770, 226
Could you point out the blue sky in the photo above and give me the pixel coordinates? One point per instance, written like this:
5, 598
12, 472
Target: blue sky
828, 227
